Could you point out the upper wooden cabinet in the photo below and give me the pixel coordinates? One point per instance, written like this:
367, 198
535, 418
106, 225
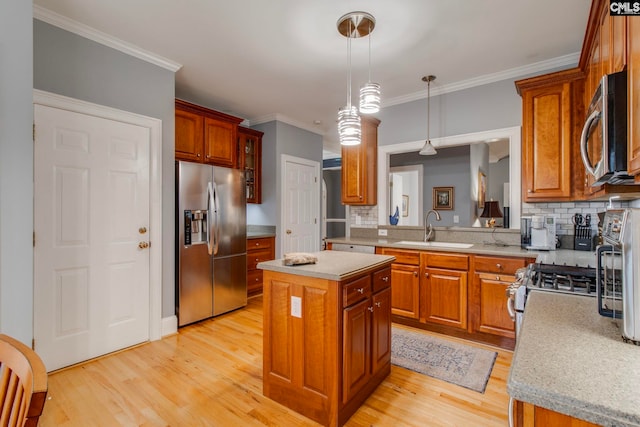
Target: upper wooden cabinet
633, 76
204, 135
552, 117
360, 167
250, 154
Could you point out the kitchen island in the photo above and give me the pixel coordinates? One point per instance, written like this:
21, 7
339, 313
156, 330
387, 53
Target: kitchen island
327, 333
570, 362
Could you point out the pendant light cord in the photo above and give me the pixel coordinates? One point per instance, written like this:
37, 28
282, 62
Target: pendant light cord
428, 109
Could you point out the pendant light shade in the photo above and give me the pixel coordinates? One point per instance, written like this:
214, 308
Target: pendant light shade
349, 126
370, 98
428, 149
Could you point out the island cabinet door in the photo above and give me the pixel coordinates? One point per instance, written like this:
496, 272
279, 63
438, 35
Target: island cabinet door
357, 343
405, 290
381, 330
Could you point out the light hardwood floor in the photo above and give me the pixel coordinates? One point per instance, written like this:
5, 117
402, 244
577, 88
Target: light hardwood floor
210, 374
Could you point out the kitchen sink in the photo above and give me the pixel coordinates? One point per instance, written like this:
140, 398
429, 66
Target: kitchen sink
436, 244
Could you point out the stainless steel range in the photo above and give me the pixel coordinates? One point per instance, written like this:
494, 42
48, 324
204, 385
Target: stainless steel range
577, 280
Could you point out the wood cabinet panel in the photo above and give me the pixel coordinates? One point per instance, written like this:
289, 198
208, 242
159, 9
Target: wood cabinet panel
497, 265
405, 290
491, 303
445, 297
403, 256
446, 260
360, 167
381, 279
528, 415
220, 143
381, 330
357, 353
189, 136
633, 76
356, 290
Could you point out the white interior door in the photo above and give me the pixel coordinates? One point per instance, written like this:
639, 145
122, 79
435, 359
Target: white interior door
301, 210
91, 223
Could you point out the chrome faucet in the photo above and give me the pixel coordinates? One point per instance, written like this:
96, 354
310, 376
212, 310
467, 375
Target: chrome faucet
428, 228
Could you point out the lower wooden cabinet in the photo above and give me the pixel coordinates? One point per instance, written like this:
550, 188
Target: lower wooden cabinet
258, 250
444, 289
528, 415
458, 294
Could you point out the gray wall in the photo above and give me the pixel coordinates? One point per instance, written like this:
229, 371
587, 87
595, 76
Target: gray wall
70, 65
450, 168
491, 106
281, 138
16, 169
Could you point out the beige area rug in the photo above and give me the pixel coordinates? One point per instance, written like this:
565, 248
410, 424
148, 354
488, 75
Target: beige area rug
458, 364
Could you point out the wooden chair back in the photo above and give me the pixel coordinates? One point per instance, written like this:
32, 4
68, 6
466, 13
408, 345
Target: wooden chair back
23, 384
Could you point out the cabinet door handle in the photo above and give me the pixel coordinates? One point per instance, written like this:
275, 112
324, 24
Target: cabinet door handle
426, 275
370, 309
385, 279
378, 304
415, 274
360, 290
499, 266
497, 277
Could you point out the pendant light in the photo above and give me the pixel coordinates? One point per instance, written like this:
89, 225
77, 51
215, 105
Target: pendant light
370, 91
349, 126
352, 25
428, 149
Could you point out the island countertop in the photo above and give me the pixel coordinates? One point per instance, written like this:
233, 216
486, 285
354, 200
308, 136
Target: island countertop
331, 265
571, 360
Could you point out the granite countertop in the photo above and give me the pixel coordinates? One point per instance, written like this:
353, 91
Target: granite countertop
331, 265
259, 234
571, 360
560, 256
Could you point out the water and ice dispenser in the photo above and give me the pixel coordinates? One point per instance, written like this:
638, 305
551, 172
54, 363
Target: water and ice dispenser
195, 226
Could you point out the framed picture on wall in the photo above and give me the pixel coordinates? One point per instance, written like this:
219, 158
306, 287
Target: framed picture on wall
405, 205
443, 198
482, 189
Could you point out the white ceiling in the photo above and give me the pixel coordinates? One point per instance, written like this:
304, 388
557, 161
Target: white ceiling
285, 59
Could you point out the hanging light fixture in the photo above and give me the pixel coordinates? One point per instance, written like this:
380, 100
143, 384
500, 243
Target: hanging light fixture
370, 91
352, 25
428, 149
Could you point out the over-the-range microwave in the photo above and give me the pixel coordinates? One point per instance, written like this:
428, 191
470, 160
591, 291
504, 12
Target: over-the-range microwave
603, 143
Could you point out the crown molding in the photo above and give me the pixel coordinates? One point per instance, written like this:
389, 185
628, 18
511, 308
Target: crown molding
512, 73
90, 33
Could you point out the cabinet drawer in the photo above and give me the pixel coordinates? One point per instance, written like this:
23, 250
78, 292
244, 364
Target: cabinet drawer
497, 265
254, 277
448, 261
356, 291
253, 258
402, 256
381, 279
259, 243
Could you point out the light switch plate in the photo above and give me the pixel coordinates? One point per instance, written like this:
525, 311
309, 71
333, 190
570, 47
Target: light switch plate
382, 232
296, 307
456, 219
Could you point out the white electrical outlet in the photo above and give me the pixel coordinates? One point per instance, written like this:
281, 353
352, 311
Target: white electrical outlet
358, 220
296, 307
382, 232
456, 219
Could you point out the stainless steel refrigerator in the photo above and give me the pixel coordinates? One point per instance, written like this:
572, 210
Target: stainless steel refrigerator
211, 238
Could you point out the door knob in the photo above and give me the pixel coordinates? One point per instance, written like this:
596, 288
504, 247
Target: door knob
142, 230
288, 231
144, 245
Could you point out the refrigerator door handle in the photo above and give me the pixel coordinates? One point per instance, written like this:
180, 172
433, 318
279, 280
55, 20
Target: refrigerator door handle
216, 229
210, 225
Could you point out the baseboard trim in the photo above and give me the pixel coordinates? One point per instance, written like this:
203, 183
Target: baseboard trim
169, 325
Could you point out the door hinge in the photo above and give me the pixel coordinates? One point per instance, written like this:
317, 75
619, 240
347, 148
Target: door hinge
33, 343
315, 179
34, 132
34, 239
315, 220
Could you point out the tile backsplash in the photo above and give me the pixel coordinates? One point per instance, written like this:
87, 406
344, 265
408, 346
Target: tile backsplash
367, 216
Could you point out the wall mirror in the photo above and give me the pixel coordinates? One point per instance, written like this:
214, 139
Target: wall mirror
478, 166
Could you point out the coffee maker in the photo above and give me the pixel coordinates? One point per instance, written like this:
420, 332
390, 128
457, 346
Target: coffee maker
538, 232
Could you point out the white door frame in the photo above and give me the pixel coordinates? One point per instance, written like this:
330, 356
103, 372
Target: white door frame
283, 190
155, 187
